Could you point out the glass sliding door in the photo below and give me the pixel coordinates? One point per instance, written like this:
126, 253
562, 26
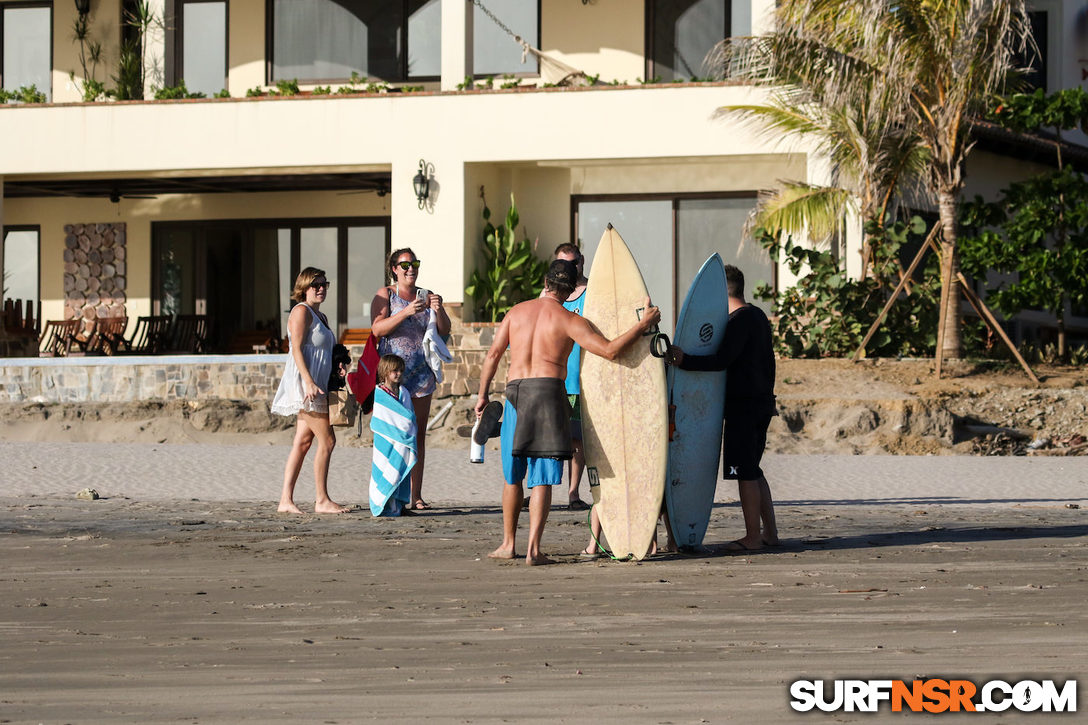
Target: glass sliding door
670, 238
203, 26
494, 52
241, 273
682, 33
282, 240
177, 272
21, 265
366, 253
706, 226
27, 47
646, 227
424, 39
320, 248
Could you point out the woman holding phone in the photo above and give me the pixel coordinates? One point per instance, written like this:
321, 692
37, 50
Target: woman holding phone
399, 314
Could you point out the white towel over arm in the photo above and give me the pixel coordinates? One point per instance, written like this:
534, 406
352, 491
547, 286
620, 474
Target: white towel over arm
434, 348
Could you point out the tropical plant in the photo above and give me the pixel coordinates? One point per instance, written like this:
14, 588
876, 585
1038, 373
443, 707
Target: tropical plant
286, 88
90, 55
354, 82
23, 94
132, 64
937, 63
176, 92
827, 313
511, 273
129, 81
872, 154
1037, 230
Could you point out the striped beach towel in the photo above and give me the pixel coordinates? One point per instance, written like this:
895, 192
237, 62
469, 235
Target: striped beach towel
394, 427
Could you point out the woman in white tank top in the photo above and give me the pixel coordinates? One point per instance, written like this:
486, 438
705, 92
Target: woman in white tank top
302, 390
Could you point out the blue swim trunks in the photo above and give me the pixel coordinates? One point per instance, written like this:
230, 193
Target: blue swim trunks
515, 469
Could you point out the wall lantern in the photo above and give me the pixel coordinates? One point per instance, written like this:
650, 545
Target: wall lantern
422, 182
83, 7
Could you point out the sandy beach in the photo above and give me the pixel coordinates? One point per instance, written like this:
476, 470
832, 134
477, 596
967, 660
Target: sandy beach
181, 595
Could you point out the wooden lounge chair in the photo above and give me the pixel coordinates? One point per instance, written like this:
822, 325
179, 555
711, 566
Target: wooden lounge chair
18, 328
248, 342
107, 337
58, 336
150, 336
354, 336
189, 334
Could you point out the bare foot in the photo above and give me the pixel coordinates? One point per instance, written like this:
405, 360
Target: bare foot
288, 507
742, 545
767, 541
538, 560
502, 553
329, 507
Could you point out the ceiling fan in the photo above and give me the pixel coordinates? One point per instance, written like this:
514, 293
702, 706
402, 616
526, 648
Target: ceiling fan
116, 196
381, 191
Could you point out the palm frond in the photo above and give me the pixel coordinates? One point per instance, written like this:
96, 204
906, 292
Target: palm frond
798, 208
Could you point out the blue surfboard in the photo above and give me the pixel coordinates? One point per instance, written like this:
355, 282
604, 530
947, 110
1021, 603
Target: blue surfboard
699, 398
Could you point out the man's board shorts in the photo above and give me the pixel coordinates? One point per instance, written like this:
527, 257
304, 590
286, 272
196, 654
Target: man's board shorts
742, 448
534, 451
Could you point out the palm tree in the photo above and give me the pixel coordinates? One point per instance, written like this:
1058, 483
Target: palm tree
940, 61
871, 150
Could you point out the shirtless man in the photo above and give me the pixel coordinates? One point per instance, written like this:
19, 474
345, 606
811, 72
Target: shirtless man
540, 334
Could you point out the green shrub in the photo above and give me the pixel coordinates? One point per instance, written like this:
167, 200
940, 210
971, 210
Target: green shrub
511, 273
170, 93
827, 314
23, 94
286, 88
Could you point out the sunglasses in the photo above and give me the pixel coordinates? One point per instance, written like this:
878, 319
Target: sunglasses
319, 285
414, 264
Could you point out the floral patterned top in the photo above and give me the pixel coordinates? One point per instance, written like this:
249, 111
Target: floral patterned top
406, 341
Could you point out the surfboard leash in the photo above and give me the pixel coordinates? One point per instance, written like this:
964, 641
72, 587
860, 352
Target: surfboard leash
606, 552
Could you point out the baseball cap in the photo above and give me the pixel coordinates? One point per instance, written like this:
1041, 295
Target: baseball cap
562, 273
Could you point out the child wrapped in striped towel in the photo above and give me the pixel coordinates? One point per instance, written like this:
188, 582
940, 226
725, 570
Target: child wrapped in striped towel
394, 427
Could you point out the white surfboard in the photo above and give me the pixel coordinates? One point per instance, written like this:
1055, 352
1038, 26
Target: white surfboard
624, 415
697, 401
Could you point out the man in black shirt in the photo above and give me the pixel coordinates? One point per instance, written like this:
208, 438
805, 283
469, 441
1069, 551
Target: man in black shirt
747, 354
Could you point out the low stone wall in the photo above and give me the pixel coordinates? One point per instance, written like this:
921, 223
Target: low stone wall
124, 380
206, 377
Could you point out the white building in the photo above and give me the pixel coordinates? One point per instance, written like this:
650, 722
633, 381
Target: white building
224, 199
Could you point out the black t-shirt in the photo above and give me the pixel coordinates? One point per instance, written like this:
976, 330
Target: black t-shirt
747, 354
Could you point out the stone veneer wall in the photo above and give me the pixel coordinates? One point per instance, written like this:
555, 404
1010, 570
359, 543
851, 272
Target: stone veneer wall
204, 377
126, 380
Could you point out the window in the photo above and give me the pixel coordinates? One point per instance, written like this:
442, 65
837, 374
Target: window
199, 45
328, 40
21, 264
494, 52
671, 237
680, 34
26, 41
241, 273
